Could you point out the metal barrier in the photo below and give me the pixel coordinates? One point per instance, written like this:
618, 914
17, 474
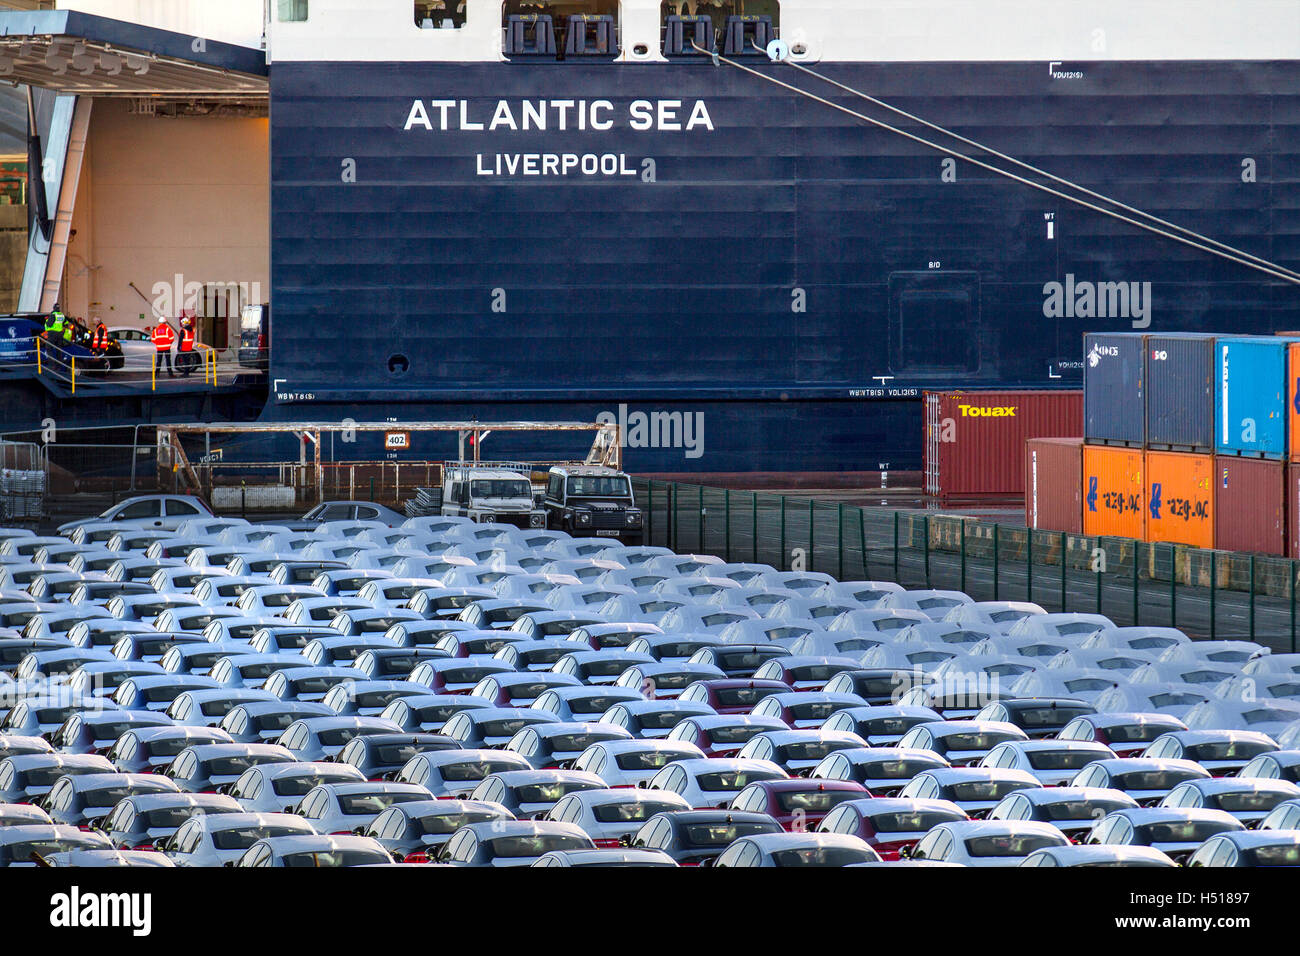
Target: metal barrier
1214, 594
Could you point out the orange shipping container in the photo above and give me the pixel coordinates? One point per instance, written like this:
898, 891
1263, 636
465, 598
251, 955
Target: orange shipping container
1114, 495
1180, 498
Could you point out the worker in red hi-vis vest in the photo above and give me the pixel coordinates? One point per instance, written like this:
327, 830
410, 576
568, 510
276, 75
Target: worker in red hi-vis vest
164, 337
185, 361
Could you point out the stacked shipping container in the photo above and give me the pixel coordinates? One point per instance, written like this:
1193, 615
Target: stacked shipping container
1188, 438
975, 441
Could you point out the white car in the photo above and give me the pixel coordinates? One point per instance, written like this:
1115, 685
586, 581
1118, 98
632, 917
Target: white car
1098, 856
631, 763
276, 787
138, 349
208, 840
1053, 762
1177, 832
610, 817
987, 842
1252, 848
1250, 801
146, 511
341, 808
713, 783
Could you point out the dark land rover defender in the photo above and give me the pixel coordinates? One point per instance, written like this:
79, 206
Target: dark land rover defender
589, 500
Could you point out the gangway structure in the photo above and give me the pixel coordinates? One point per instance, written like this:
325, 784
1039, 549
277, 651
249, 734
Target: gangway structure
314, 478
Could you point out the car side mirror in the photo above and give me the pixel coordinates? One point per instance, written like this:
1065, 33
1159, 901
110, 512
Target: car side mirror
905, 853
643, 784
229, 863
625, 840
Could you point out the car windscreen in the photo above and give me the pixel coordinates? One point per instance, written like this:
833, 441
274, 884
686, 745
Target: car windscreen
1284, 855
983, 789
1178, 831
646, 759
298, 786
719, 834
808, 749
822, 856
894, 769
631, 812
241, 838
1049, 716
22, 852
1142, 733
1226, 750
541, 655
974, 741
169, 818
1061, 759
503, 727
442, 823
394, 755
500, 488
317, 684
737, 734
231, 766
920, 821
1079, 809
474, 769
374, 803
526, 846
605, 668
1150, 779
732, 779
815, 801
1248, 801
321, 858
574, 743
170, 746
814, 710
590, 486
1009, 844
742, 696
658, 719
548, 792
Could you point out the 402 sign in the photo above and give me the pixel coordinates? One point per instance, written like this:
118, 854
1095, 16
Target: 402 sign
397, 441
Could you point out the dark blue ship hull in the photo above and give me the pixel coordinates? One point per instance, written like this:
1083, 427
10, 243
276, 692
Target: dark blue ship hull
793, 274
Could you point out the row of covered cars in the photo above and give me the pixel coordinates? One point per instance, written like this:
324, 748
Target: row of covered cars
202, 691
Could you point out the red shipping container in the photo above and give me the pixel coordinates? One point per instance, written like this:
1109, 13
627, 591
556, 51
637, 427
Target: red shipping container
1293, 510
975, 441
1054, 484
1250, 505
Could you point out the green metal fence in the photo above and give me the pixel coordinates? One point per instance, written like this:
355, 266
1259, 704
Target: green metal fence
1211, 594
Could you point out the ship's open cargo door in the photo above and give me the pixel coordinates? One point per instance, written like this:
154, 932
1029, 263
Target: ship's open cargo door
68, 59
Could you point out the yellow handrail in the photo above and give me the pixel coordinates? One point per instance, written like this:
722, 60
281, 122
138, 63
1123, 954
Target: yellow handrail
209, 353
38, 356
74, 375
153, 372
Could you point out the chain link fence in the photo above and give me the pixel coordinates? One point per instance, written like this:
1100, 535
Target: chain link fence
1210, 594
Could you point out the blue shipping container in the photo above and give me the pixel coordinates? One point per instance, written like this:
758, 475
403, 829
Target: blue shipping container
1180, 377
1250, 396
1114, 408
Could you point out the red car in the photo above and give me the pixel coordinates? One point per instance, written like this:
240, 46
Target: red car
799, 805
732, 695
890, 824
